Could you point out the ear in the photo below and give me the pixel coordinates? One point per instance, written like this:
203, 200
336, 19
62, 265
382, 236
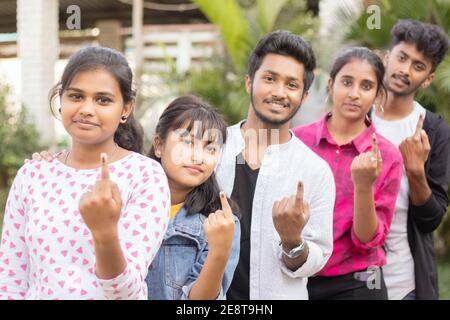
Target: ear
126, 111
157, 145
330, 87
248, 84
386, 57
428, 81
304, 96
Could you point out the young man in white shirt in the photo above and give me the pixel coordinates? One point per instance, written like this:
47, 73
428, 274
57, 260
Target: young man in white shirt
423, 138
286, 192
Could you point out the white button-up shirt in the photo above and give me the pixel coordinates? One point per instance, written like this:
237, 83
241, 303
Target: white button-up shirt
282, 167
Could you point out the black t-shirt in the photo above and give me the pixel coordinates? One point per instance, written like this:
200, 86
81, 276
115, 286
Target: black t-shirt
243, 192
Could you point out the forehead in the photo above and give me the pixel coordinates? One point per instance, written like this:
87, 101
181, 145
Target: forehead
358, 69
97, 80
283, 65
200, 130
411, 50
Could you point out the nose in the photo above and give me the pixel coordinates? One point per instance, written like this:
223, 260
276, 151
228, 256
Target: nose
354, 92
197, 153
404, 69
87, 108
279, 90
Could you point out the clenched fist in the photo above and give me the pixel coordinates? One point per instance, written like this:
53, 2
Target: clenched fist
290, 216
366, 167
219, 229
101, 206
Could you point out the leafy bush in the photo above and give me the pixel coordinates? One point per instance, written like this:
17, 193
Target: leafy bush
19, 139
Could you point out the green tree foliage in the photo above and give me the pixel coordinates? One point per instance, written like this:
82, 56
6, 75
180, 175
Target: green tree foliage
241, 25
19, 139
436, 12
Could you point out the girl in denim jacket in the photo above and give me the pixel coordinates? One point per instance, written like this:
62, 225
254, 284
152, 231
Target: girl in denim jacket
200, 249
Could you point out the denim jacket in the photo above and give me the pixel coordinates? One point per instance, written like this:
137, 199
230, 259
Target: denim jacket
181, 257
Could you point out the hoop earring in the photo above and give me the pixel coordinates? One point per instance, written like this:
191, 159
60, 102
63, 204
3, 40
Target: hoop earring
124, 119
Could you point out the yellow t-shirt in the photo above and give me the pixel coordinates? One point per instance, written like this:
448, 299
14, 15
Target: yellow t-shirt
174, 209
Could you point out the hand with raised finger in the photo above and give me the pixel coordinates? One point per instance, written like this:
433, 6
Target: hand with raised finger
366, 167
290, 215
219, 230
415, 149
101, 207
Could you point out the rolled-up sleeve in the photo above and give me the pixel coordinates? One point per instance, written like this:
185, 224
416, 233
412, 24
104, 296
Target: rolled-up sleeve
385, 199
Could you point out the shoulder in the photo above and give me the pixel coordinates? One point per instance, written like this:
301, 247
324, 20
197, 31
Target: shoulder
436, 122
306, 129
142, 163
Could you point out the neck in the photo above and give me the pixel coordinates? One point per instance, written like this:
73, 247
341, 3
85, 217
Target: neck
177, 194
266, 134
87, 156
397, 107
343, 130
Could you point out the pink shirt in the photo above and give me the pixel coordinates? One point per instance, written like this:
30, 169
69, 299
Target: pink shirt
350, 254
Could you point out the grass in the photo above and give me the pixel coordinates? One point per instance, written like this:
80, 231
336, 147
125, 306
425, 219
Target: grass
444, 278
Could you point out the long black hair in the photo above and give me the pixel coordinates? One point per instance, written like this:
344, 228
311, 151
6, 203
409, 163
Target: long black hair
183, 112
129, 135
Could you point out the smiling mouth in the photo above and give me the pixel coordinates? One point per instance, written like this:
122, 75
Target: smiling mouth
277, 105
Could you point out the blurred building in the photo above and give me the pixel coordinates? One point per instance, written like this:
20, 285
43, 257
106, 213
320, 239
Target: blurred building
38, 36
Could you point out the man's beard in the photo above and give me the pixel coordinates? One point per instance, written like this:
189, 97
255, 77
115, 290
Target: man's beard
267, 120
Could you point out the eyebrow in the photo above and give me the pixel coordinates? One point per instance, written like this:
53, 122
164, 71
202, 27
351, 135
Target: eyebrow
277, 74
103, 93
351, 77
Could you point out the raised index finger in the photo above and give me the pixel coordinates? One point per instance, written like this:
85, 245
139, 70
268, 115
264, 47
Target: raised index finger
225, 205
374, 145
105, 169
419, 126
299, 195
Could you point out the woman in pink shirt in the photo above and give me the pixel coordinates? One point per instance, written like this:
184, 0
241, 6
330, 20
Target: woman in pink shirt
367, 170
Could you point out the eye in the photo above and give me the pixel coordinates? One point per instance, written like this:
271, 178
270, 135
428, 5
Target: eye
75, 96
293, 85
347, 82
187, 141
268, 78
367, 86
402, 58
419, 67
211, 149
104, 100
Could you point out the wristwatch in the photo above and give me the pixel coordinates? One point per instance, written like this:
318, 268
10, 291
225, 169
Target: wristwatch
293, 253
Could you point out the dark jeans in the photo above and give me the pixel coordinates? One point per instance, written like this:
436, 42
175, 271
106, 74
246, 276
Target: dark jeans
363, 285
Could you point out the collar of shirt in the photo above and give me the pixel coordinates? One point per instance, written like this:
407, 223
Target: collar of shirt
362, 142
